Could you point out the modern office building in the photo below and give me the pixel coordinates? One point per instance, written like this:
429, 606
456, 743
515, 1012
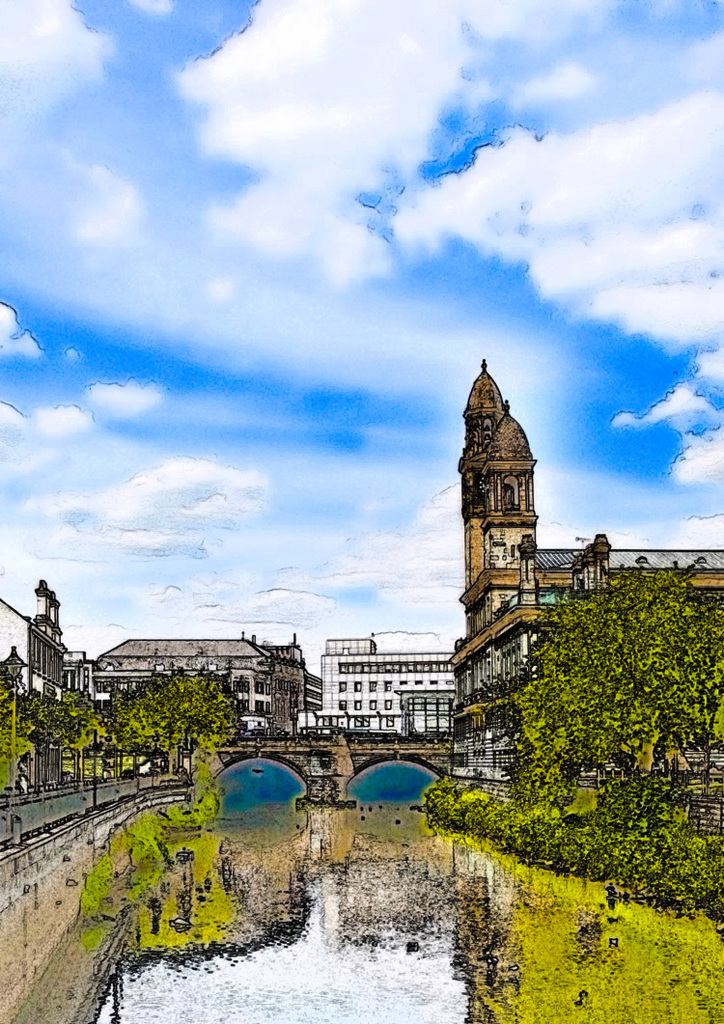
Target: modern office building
367, 691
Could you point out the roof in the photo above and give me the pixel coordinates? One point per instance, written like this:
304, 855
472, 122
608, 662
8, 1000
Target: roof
485, 394
555, 558
509, 440
636, 558
645, 558
185, 649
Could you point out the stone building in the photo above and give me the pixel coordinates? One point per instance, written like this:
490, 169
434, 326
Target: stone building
267, 681
38, 640
509, 579
396, 692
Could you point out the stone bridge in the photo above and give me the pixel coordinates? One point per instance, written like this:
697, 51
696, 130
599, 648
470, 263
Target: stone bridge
327, 764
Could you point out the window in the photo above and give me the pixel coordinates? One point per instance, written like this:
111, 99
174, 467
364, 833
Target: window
259, 706
342, 687
358, 705
418, 682
373, 687
389, 720
357, 687
267, 689
388, 705
268, 705
343, 705
388, 685
373, 705
258, 687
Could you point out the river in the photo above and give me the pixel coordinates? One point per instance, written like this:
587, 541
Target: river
365, 917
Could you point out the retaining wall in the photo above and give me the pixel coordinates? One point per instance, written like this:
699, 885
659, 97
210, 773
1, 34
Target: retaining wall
41, 881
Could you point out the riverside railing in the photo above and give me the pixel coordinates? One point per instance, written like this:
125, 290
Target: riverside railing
23, 814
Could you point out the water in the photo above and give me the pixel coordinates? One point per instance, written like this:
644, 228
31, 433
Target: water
366, 917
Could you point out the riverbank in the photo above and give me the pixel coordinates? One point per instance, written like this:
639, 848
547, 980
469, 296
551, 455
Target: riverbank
633, 835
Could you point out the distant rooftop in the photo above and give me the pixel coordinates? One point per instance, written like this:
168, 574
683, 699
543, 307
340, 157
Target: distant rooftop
635, 558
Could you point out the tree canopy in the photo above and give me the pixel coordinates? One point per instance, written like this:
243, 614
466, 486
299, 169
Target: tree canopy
618, 674
173, 708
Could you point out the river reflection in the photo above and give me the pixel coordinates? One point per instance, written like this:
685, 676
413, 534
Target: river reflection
352, 917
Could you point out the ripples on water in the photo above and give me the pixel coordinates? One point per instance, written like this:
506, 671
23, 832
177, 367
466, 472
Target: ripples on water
365, 917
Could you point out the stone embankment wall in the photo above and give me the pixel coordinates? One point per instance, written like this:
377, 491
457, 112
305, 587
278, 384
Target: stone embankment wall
41, 882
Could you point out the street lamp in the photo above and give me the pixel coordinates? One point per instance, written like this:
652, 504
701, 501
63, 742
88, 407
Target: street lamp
13, 666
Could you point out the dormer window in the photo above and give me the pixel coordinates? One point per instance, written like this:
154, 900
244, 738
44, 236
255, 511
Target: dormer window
641, 561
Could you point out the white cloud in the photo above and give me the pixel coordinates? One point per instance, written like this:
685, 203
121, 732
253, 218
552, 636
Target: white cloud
682, 406
59, 421
153, 6
702, 461
46, 50
622, 220
701, 532
422, 565
124, 401
565, 82
221, 289
170, 509
109, 210
320, 99
14, 341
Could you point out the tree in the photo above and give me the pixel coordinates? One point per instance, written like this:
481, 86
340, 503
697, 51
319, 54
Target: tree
44, 721
173, 708
619, 674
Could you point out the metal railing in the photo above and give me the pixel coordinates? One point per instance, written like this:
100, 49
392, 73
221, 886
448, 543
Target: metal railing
21, 815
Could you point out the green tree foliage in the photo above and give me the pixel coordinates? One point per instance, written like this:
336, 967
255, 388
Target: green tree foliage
636, 834
173, 709
69, 722
623, 672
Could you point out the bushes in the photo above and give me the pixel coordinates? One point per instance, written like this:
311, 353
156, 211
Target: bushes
636, 835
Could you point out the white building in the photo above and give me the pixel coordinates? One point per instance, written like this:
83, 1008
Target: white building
397, 692
37, 641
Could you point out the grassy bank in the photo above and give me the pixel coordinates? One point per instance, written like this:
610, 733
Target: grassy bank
137, 857
634, 833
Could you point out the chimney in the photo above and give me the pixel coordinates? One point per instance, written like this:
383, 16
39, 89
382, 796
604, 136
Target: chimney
43, 616
253, 638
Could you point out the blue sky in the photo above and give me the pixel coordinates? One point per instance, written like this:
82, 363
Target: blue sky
252, 257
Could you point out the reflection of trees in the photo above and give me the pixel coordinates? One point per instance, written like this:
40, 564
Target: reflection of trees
270, 888
485, 948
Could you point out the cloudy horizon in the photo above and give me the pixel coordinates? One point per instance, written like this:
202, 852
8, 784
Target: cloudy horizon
253, 255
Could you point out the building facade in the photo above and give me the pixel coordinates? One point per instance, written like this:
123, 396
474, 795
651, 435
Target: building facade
367, 691
38, 640
267, 681
509, 580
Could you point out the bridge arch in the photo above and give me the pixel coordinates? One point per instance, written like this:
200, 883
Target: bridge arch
243, 756
380, 759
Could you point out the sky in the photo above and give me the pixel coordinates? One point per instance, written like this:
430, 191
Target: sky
252, 257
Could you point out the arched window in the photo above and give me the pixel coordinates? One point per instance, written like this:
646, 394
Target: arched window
487, 431
511, 497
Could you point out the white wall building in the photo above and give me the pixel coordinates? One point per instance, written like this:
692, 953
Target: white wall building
396, 692
38, 642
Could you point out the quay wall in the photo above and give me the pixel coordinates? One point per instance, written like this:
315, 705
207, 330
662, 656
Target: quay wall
41, 881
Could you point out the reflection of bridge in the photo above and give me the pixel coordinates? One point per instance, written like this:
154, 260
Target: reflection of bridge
327, 764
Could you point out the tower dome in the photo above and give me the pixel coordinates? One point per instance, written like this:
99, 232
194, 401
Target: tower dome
509, 440
485, 395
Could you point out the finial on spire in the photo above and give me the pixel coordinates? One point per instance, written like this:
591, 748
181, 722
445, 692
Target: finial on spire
506, 406
484, 365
